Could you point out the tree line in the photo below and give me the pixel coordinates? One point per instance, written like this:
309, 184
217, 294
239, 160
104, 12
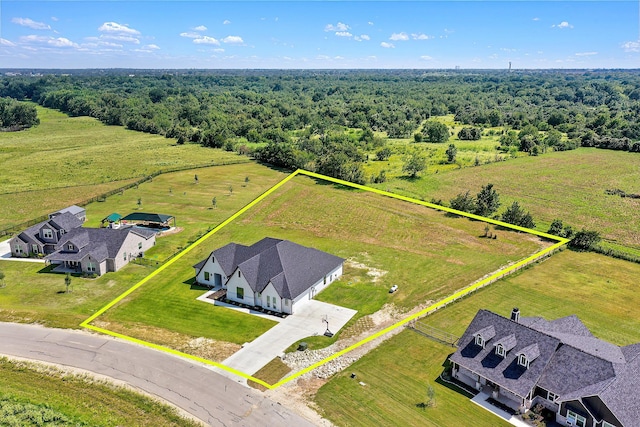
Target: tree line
16, 115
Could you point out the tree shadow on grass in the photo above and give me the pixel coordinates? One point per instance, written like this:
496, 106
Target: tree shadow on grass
194, 286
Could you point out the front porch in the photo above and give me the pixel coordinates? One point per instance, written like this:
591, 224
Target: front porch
483, 400
72, 267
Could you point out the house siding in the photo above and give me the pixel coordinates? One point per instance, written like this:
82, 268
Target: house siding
240, 282
130, 248
14, 248
310, 293
574, 406
276, 300
212, 267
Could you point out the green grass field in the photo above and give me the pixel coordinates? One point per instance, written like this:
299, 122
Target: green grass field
77, 151
427, 253
567, 185
29, 391
599, 289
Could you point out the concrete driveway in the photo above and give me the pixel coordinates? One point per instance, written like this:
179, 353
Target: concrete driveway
216, 400
305, 322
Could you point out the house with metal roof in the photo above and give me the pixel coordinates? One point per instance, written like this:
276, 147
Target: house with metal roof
42, 238
559, 364
100, 250
272, 274
75, 210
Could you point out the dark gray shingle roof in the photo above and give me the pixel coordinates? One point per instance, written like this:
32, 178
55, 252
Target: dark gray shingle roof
66, 221
621, 395
292, 268
505, 371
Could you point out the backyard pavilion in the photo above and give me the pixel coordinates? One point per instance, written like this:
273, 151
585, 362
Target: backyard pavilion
114, 218
153, 220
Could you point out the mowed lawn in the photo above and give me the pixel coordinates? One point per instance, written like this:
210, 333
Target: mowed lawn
68, 151
32, 296
600, 290
81, 402
428, 254
568, 185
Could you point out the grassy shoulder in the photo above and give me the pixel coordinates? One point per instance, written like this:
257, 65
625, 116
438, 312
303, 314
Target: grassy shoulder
599, 289
84, 152
44, 393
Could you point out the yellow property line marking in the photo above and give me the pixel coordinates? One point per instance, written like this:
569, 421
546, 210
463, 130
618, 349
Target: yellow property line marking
435, 306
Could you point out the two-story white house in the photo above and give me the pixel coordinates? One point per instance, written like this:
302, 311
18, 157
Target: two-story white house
273, 274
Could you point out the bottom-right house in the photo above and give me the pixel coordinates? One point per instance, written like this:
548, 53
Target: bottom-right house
522, 362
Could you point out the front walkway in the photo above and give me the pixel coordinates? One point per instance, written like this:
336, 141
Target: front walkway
481, 400
305, 322
5, 254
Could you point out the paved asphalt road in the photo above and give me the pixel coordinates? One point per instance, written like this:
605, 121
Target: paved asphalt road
198, 390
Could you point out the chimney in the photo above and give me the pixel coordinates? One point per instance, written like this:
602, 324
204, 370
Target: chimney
515, 314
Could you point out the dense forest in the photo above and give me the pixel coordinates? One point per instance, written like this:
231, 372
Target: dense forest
300, 116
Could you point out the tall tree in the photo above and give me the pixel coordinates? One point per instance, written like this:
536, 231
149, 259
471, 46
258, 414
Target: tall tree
436, 132
414, 163
517, 216
487, 201
464, 202
451, 152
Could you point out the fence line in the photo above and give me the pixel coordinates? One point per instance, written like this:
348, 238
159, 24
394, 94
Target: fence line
412, 324
21, 226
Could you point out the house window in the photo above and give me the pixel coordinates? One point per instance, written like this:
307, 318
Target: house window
70, 246
500, 350
139, 245
91, 267
268, 301
62, 231
124, 256
47, 234
479, 341
325, 280
238, 273
575, 419
552, 397
523, 361
35, 249
19, 249
213, 260
240, 292
207, 275
606, 424
286, 302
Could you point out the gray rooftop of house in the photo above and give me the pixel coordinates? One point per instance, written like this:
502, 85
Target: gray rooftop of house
505, 371
73, 209
290, 267
99, 243
66, 221
580, 365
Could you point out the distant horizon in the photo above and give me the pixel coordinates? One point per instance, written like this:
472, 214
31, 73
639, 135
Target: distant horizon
320, 35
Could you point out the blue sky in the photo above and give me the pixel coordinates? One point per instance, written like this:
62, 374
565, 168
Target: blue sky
319, 34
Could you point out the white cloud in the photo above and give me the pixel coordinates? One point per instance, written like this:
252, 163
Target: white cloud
562, 25
338, 27
26, 22
218, 49
53, 18
536, 19
226, 22
114, 27
420, 36
5, 42
121, 38
365, 37
387, 45
190, 35
233, 40
206, 40
370, 23
200, 28
586, 53
343, 34
338, 57
426, 57
51, 41
399, 37
323, 57
151, 47
633, 46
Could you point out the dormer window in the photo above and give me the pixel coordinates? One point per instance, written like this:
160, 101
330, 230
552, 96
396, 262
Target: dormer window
62, 231
479, 340
523, 361
47, 233
500, 350
70, 246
